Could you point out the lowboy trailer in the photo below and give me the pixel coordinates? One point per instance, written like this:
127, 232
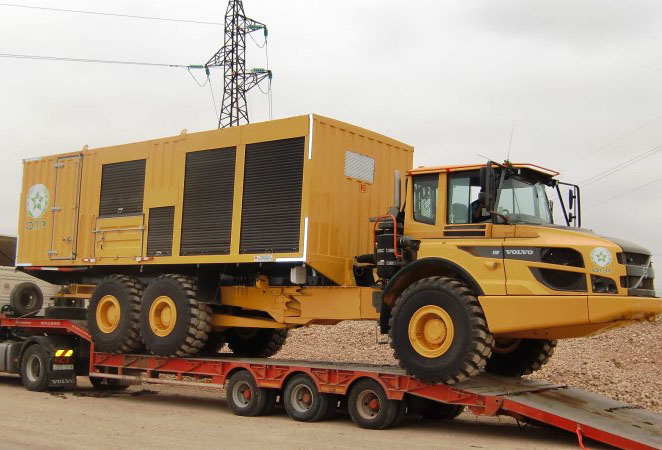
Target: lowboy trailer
50, 354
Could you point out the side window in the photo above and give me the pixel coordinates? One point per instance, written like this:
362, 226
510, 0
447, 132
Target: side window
425, 198
463, 205
459, 194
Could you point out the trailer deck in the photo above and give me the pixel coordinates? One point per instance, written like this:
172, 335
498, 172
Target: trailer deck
574, 410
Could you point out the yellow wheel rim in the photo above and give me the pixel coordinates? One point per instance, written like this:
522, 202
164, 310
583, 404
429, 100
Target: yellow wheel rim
505, 346
162, 316
431, 331
108, 314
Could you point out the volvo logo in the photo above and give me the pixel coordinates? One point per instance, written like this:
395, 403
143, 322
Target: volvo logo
519, 252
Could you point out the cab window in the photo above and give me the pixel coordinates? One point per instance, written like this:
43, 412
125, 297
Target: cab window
425, 198
463, 206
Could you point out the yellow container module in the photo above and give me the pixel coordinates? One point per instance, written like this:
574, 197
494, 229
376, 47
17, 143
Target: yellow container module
299, 190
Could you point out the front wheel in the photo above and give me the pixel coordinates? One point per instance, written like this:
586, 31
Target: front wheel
517, 357
438, 331
35, 369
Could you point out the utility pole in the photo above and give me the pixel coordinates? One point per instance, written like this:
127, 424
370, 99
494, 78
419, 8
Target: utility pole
232, 57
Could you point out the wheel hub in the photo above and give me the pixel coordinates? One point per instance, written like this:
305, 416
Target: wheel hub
162, 316
108, 314
431, 331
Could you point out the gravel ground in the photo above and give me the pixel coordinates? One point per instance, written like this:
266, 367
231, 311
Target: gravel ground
623, 364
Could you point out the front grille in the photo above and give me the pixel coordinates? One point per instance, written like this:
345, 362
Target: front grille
636, 259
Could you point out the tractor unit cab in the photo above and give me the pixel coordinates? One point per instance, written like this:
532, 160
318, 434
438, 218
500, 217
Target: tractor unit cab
473, 273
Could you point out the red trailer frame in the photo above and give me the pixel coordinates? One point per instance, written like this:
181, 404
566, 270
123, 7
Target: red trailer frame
586, 414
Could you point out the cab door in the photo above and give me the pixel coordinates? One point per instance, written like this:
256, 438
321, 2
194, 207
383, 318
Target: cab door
68, 171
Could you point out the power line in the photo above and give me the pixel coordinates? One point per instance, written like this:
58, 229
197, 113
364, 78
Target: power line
621, 166
100, 13
619, 138
624, 193
98, 61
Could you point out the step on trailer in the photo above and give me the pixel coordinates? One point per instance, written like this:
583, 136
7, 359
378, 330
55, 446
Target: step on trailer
50, 353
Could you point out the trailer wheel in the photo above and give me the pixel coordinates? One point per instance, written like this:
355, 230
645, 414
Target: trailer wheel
35, 369
108, 384
433, 410
256, 342
26, 299
369, 407
517, 357
304, 403
172, 322
113, 314
245, 398
438, 331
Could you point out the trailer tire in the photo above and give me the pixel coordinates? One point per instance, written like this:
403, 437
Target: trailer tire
172, 321
438, 331
256, 342
370, 408
113, 314
517, 357
35, 369
304, 403
246, 398
26, 299
433, 410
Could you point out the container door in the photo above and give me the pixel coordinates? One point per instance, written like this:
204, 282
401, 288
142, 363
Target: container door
65, 207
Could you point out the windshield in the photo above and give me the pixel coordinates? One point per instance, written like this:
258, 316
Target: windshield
522, 202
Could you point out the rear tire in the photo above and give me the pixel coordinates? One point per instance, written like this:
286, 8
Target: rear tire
26, 299
370, 408
438, 331
517, 357
304, 403
35, 370
245, 398
172, 321
113, 314
256, 342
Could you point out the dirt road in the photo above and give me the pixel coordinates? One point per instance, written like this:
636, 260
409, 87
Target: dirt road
169, 417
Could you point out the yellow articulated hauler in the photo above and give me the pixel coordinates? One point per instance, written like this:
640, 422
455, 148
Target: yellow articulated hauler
235, 236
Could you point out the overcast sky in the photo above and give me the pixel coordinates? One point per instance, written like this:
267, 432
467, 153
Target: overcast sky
580, 78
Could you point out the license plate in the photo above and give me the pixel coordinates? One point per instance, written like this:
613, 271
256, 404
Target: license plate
63, 367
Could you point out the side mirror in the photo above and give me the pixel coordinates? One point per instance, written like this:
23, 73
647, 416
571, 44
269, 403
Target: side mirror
397, 189
571, 199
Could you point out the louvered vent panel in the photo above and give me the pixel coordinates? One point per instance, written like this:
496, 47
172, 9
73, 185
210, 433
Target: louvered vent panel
208, 193
122, 189
159, 235
271, 208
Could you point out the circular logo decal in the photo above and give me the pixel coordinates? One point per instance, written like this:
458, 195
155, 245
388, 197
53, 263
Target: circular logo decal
37, 200
601, 256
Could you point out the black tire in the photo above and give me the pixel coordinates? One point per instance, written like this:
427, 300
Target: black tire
108, 384
433, 410
65, 312
517, 357
461, 357
125, 338
192, 325
256, 342
370, 408
35, 369
304, 403
26, 299
245, 398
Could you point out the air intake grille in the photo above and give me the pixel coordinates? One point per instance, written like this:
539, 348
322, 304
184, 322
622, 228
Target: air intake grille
159, 235
122, 188
208, 194
271, 209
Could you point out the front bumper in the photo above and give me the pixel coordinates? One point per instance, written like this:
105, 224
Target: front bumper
557, 317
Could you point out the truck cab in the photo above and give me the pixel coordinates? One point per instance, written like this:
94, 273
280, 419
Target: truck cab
483, 237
